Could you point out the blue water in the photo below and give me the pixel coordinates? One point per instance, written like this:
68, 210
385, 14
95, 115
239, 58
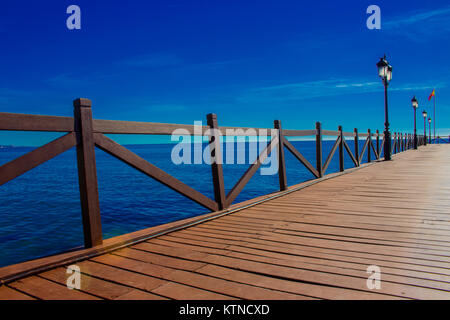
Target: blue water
40, 211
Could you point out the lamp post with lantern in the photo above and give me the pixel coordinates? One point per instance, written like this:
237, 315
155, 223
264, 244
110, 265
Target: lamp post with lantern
424, 114
415, 105
429, 130
385, 73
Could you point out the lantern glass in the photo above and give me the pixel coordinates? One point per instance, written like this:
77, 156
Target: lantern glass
389, 73
382, 71
429, 120
382, 68
414, 103
425, 114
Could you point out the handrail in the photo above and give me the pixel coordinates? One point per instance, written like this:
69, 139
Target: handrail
86, 133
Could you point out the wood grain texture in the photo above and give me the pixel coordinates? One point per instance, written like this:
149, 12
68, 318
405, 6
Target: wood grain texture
30, 122
311, 244
87, 174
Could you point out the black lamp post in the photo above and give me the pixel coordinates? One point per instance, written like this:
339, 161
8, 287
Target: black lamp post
415, 105
429, 130
385, 73
425, 114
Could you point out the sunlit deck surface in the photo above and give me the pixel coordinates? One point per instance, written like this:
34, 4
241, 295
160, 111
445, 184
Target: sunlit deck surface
315, 243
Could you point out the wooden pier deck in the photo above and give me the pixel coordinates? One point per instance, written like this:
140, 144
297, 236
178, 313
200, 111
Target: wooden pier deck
315, 243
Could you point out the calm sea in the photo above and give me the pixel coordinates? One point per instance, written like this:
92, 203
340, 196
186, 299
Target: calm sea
40, 210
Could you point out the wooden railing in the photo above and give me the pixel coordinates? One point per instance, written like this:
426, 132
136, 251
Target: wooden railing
86, 133
439, 140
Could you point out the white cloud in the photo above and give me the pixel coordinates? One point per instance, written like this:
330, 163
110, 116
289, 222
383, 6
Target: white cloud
320, 88
421, 26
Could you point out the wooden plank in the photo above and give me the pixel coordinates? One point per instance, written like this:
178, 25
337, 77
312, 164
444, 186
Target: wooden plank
319, 150
349, 152
364, 148
341, 151
48, 290
6, 293
324, 256
281, 161
378, 146
131, 279
30, 122
356, 142
326, 265
216, 162
87, 174
178, 291
316, 243
330, 133
362, 134
312, 290
173, 290
331, 154
331, 252
133, 160
299, 133
234, 192
301, 158
232, 288
158, 259
154, 128
106, 289
374, 150
273, 265
34, 158
100, 288
324, 278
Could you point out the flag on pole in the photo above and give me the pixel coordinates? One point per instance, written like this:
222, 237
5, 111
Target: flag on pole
431, 95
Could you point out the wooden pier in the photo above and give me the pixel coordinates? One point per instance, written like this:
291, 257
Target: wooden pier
314, 240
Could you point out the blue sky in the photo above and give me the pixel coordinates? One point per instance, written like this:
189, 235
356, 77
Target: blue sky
250, 62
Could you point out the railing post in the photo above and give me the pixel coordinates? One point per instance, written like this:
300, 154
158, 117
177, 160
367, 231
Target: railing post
281, 161
357, 147
401, 142
216, 161
402, 147
395, 142
87, 173
404, 141
319, 149
341, 150
378, 144
369, 159
398, 143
